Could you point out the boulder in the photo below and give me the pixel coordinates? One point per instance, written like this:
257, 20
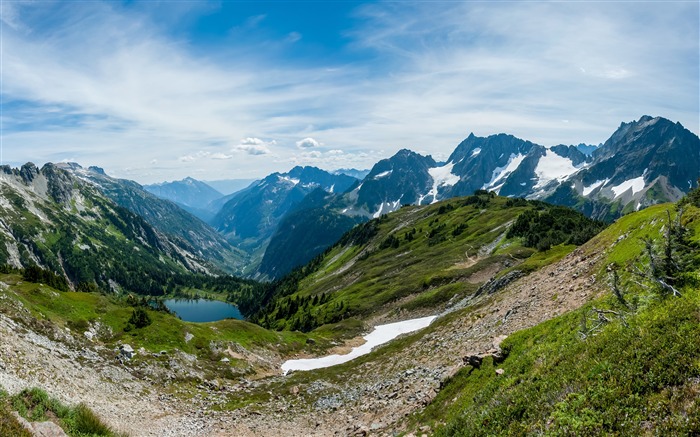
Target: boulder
473, 360
126, 351
47, 429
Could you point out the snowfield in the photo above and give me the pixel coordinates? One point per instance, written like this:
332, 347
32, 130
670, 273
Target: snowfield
636, 184
381, 334
552, 166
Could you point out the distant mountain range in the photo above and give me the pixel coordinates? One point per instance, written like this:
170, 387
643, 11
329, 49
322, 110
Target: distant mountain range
284, 220
644, 162
250, 217
229, 186
190, 194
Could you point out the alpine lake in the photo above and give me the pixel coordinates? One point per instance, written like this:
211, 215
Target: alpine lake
203, 310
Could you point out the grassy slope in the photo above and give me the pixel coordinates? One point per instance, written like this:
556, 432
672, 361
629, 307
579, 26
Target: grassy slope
76, 311
420, 275
36, 405
640, 379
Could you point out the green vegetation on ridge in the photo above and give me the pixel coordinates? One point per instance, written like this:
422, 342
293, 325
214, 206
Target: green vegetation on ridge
419, 258
625, 364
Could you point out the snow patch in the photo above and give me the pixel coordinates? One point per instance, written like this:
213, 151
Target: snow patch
387, 207
288, 179
553, 167
636, 184
589, 189
502, 172
381, 334
476, 151
383, 174
442, 176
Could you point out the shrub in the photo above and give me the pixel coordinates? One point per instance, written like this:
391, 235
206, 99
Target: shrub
139, 319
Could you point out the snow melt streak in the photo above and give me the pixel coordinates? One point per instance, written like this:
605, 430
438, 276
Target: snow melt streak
502, 172
380, 335
442, 176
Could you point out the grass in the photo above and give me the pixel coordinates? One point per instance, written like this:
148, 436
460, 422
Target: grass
9, 425
36, 405
641, 377
634, 380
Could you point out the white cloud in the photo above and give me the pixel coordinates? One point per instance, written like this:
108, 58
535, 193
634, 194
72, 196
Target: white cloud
422, 77
254, 146
308, 143
253, 150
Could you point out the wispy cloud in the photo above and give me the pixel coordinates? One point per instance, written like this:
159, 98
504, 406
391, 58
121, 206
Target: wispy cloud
108, 85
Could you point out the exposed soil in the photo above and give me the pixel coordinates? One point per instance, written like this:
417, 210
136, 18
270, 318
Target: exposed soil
372, 398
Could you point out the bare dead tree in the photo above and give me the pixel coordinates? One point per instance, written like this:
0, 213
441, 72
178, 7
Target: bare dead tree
596, 318
614, 279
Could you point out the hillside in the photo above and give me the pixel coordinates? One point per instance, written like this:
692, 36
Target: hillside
59, 223
165, 216
420, 259
555, 374
552, 377
643, 163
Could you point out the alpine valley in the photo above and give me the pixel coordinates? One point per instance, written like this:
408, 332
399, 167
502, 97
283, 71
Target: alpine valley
559, 287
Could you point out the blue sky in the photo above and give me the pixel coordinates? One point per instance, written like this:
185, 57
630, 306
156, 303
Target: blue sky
156, 91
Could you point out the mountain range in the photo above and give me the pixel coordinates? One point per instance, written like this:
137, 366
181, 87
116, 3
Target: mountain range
285, 219
54, 220
250, 217
644, 162
541, 320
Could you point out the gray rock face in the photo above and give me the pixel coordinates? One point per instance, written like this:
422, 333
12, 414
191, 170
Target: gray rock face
28, 172
47, 429
60, 183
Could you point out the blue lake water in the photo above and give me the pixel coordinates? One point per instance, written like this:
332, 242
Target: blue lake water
203, 310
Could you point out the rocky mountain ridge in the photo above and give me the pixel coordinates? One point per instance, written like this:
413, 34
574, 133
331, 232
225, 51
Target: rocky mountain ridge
167, 217
59, 222
645, 162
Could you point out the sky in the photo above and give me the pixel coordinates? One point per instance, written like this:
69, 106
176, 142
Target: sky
160, 90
